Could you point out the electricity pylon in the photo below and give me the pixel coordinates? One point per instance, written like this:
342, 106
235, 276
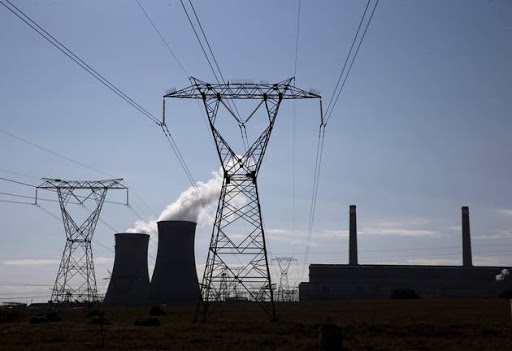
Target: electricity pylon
238, 231
76, 280
284, 292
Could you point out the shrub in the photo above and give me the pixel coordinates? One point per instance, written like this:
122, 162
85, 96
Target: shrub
157, 311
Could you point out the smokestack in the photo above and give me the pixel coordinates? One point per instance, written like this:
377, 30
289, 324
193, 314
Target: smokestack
466, 239
352, 260
129, 282
175, 276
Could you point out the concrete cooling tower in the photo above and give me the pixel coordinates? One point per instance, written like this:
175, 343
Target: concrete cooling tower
175, 277
129, 283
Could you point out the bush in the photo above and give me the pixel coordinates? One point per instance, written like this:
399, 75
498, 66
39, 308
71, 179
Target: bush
94, 313
53, 316
405, 293
39, 319
102, 319
157, 311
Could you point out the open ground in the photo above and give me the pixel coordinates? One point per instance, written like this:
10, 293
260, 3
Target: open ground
367, 325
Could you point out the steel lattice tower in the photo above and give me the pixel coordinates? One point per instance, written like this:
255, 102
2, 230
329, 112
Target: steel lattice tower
284, 293
76, 280
238, 232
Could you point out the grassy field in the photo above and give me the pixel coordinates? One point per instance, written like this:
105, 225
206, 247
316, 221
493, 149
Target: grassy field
367, 325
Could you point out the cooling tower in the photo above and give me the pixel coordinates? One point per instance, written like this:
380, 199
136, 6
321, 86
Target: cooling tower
352, 259
129, 283
175, 277
466, 239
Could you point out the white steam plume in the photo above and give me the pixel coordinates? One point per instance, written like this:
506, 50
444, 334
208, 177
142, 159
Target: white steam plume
188, 207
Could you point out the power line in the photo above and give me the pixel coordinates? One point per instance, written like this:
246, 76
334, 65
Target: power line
19, 174
329, 112
297, 42
294, 126
26, 19
339, 252
15, 181
314, 196
66, 51
188, 174
330, 108
48, 150
69, 160
173, 55
16, 202
231, 104
162, 38
200, 42
348, 56
207, 42
94, 240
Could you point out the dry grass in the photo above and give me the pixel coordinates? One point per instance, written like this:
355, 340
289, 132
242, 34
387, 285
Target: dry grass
367, 325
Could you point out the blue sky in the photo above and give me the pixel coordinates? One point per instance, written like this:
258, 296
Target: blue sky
422, 128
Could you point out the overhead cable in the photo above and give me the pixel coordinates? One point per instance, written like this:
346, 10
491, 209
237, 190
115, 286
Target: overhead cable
218, 72
294, 125
27, 20
162, 38
314, 196
332, 102
17, 182
61, 47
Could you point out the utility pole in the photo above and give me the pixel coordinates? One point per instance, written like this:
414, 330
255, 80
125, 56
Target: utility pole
76, 280
237, 255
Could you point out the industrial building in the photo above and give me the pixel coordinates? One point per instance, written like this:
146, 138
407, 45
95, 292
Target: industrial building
129, 282
174, 279
355, 281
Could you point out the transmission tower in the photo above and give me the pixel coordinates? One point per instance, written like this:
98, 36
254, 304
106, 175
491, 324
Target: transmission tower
284, 292
238, 238
76, 280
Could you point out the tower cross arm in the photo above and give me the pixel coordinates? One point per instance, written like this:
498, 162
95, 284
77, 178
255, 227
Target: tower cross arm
50, 183
242, 90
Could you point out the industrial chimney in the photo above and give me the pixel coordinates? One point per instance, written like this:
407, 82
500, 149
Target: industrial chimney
466, 239
175, 277
129, 283
352, 260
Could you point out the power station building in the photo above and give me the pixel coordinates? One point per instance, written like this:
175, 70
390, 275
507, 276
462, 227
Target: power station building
355, 281
129, 283
174, 279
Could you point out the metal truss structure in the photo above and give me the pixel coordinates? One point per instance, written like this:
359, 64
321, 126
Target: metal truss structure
237, 256
284, 292
76, 280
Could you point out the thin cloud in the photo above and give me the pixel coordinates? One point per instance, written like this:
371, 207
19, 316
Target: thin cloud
505, 212
282, 233
501, 234
399, 232
31, 262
